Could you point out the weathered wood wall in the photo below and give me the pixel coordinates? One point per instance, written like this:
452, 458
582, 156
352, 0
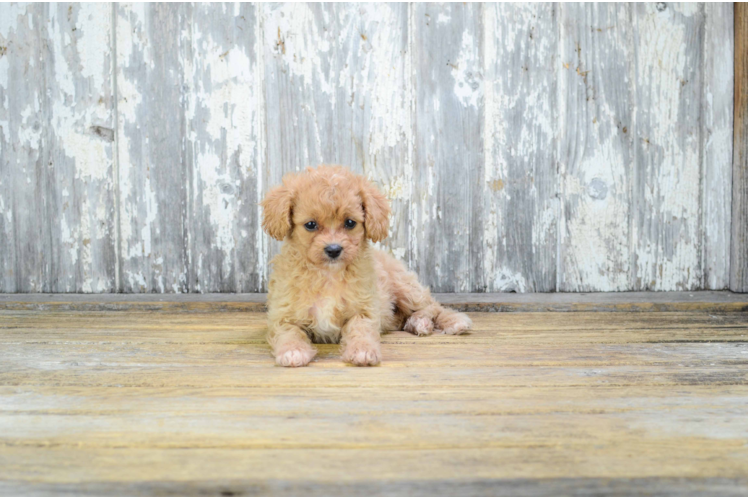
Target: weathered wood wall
525, 147
739, 256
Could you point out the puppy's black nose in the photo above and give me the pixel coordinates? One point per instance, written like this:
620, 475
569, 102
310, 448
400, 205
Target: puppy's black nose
333, 251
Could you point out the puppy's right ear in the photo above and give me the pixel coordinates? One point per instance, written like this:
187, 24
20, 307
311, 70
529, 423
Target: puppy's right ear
276, 208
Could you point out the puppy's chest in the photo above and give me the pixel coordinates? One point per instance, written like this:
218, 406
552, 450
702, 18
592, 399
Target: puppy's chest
325, 320
325, 313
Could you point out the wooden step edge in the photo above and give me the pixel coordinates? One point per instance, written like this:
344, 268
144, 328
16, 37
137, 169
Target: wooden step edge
710, 301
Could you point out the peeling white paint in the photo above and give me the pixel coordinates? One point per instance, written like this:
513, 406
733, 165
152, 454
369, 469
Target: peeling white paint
130, 39
398, 253
146, 229
382, 73
596, 157
519, 133
137, 281
93, 37
30, 133
348, 66
467, 72
717, 122
292, 41
229, 101
494, 136
225, 140
261, 238
595, 234
68, 240
395, 189
667, 262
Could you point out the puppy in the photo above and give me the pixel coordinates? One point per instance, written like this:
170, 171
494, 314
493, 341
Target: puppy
328, 284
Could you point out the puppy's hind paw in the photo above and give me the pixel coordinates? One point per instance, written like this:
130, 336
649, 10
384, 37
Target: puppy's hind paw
362, 355
419, 325
294, 357
453, 323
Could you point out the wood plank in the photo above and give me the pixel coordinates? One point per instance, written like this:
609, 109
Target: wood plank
80, 147
521, 207
340, 430
596, 159
278, 471
739, 245
121, 402
172, 402
154, 162
337, 92
224, 149
638, 486
252, 367
22, 152
447, 219
667, 228
206, 73
126, 326
401, 353
57, 182
396, 378
716, 138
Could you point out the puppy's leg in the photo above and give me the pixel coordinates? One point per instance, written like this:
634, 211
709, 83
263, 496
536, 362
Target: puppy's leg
360, 342
291, 346
413, 302
424, 314
421, 322
438, 319
451, 322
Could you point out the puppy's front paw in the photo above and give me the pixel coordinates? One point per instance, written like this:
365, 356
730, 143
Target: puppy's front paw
294, 356
362, 354
454, 323
419, 325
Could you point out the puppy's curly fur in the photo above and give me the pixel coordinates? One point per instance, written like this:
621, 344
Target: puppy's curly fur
316, 295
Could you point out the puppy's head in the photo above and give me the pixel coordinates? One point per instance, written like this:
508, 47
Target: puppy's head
327, 213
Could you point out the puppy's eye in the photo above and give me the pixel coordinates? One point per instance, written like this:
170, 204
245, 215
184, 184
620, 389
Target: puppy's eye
311, 225
350, 223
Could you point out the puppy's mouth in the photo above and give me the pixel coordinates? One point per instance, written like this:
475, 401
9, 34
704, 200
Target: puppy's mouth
333, 261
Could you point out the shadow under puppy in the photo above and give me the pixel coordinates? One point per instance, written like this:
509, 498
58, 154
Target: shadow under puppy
328, 284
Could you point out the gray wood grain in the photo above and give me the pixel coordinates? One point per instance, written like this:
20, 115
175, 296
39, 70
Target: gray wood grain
448, 177
337, 92
667, 227
596, 151
739, 249
716, 140
154, 161
222, 100
647, 486
520, 189
21, 156
56, 149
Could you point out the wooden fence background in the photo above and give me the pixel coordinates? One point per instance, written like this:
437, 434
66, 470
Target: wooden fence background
532, 147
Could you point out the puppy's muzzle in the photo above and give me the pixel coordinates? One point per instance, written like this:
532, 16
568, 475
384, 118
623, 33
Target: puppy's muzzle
333, 251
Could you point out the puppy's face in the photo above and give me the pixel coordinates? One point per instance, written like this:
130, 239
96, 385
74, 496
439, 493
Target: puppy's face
327, 213
330, 232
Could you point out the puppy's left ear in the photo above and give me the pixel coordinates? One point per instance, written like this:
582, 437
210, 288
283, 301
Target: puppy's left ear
276, 208
376, 211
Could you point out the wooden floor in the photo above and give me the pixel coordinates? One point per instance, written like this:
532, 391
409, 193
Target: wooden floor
179, 402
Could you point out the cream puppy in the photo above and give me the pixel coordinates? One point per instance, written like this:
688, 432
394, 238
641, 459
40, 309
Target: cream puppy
328, 284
